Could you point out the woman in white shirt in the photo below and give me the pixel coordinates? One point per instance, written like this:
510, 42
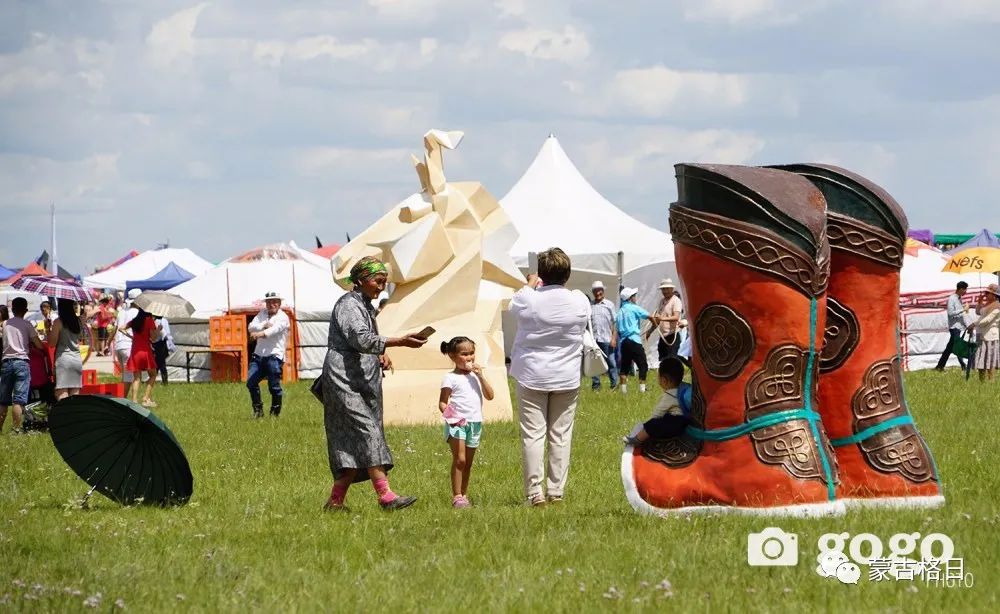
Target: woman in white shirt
545, 363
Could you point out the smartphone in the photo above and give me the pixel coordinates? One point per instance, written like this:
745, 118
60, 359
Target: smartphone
425, 333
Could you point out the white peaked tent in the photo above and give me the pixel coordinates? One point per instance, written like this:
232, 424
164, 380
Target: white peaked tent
922, 281
553, 205
238, 285
145, 265
923, 293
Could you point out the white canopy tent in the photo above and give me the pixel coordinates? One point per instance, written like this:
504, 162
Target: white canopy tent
145, 265
923, 293
553, 205
238, 285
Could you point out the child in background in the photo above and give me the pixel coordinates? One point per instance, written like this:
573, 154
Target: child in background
461, 406
668, 419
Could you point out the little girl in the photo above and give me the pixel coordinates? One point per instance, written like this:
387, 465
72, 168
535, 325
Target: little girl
461, 406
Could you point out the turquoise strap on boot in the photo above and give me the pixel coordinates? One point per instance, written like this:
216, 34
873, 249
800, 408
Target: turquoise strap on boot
803, 413
871, 431
759, 422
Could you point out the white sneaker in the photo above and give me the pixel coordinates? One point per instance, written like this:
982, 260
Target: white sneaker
624, 389
642, 387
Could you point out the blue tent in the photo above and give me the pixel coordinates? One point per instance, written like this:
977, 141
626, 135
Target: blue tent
5, 272
984, 238
168, 277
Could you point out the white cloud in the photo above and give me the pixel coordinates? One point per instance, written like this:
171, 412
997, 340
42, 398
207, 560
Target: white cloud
644, 153
570, 45
237, 106
872, 160
428, 46
346, 162
935, 12
402, 9
29, 182
658, 90
24, 79
755, 12
197, 169
173, 38
309, 48
511, 8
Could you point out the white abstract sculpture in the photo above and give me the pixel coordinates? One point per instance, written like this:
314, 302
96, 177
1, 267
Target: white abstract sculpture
448, 253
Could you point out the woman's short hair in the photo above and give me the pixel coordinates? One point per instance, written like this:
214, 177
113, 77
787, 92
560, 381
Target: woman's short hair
554, 267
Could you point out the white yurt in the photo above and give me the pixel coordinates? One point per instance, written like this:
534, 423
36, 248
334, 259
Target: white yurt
238, 285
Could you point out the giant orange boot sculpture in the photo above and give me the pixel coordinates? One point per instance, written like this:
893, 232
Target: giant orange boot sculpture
882, 457
753, 258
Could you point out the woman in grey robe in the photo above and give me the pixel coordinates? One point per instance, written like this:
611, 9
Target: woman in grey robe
352, 390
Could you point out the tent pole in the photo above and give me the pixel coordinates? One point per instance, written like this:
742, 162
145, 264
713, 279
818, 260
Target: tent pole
55, 254
621, 271
533, 263
228, 306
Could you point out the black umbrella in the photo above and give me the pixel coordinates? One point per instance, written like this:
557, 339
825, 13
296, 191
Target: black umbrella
121, 449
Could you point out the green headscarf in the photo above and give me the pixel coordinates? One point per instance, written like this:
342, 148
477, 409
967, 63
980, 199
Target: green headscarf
366, 268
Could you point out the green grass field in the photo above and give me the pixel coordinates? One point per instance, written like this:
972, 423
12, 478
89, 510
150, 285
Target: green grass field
253, 536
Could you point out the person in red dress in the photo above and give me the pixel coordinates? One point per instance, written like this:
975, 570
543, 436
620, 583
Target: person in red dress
104, 316
144, 333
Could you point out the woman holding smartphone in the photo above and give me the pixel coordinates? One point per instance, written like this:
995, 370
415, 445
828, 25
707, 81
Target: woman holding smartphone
352, 390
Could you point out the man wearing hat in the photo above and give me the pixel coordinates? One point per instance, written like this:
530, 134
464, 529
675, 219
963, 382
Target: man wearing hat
629, 322
602, 323
669, 313
269, 329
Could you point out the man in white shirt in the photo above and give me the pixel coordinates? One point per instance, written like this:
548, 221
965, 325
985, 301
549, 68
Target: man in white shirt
602, 324
122, 337
43, 318
956, 324
270, 330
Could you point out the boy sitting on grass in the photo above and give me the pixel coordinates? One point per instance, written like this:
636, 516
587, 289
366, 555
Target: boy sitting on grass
668, 419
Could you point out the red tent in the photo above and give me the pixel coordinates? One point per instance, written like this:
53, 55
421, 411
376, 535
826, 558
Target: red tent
32, 270
327, 251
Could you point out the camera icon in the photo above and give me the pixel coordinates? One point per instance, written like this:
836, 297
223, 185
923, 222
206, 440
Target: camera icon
772, 547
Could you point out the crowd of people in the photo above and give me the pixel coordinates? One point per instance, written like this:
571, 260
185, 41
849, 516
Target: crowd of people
545, 365
44, 353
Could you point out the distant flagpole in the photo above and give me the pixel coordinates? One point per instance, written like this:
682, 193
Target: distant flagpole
55, 255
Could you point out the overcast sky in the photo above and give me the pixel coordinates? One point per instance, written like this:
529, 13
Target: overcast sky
228, 124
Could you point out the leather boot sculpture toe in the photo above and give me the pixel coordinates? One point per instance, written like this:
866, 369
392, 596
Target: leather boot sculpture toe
882, 457
753, 260
792, 281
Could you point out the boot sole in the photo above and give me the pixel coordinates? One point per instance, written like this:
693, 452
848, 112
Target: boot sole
800, 510
925, 502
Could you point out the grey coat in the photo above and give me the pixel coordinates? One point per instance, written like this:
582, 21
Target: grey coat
352, 389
